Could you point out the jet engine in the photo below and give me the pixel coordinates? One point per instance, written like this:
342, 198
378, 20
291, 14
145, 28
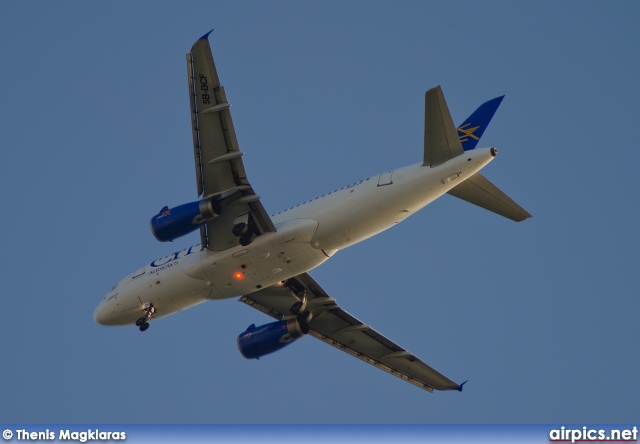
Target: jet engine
170, 224
256, 342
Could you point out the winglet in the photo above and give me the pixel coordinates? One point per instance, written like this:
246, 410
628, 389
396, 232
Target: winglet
460, 388
206, 36
473, 127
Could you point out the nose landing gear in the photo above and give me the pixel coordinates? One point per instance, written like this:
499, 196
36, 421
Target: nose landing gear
149, 310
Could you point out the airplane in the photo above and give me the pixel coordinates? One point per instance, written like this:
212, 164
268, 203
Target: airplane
264, 260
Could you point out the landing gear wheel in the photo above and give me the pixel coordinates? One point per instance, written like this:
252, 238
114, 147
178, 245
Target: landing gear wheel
303, 320
298, 307
247, 238
149, 310
239, 229
305, 317
301, 305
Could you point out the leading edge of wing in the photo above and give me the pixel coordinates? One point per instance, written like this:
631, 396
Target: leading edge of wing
336, 327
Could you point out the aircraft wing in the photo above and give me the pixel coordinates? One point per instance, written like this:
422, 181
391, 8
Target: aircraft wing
336, 327
220, 172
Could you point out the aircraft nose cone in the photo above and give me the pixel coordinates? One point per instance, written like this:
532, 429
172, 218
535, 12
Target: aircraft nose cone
101, 314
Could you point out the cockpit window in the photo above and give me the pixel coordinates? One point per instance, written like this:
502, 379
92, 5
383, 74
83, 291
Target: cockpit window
115, 286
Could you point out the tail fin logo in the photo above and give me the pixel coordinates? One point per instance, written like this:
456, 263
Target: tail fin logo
464, 132
470, 135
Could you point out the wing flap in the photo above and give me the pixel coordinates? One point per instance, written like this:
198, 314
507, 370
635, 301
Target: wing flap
336, 327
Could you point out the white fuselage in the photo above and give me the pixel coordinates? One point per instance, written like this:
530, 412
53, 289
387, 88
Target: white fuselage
307, 235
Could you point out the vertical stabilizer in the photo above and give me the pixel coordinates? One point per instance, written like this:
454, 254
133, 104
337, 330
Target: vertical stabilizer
473, 127
441, 141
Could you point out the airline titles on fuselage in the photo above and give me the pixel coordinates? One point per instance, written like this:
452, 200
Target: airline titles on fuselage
167, 261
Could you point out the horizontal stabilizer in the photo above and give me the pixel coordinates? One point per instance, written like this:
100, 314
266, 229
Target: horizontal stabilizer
479, 191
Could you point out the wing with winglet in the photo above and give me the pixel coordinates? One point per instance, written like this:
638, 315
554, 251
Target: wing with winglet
333, 325
220, 172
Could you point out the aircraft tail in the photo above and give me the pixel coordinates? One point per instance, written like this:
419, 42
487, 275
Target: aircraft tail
473, 127
442, 142
478, 190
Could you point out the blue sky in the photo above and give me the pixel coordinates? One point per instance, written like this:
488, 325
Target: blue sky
541, 316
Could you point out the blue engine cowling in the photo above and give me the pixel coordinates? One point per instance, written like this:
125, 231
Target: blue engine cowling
259, 341
170, 224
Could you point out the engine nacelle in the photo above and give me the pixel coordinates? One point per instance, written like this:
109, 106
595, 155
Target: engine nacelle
259, 341
170, 224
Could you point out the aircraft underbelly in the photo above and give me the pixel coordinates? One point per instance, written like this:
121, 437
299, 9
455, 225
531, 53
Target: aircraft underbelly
375, 209
269, 259
203, 275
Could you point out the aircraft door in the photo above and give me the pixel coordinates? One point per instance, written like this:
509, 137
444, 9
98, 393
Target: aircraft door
385, 179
